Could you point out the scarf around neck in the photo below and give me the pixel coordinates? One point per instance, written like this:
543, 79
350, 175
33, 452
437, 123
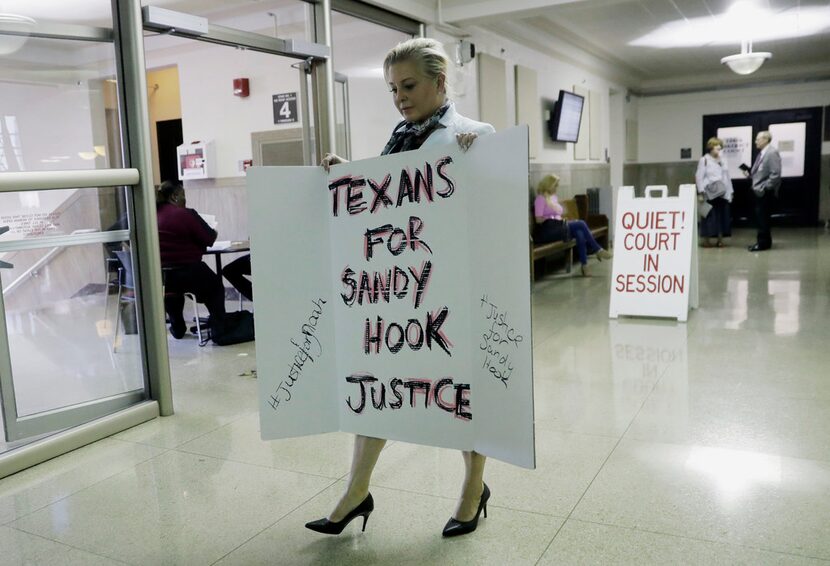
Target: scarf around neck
410, 135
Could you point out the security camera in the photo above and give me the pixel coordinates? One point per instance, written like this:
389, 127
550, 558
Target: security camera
465, 51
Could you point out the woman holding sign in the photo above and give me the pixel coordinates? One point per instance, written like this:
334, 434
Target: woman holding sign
715, 186
416, 72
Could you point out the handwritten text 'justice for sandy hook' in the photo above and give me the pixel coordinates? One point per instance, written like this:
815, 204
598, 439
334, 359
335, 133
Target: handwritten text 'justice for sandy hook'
308, 347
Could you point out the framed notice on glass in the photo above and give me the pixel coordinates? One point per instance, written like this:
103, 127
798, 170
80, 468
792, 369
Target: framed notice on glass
737, 148
790, 140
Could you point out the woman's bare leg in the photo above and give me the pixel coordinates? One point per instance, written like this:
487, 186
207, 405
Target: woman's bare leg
366, 452
473, 486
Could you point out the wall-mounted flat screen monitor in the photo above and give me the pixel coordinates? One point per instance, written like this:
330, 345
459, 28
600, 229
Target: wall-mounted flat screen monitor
566, 116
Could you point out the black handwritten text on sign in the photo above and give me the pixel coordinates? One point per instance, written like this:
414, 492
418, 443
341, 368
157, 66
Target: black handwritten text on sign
357, 195
285, 107
307, 349
498, 342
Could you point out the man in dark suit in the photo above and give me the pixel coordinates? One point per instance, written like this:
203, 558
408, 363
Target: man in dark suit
766, 179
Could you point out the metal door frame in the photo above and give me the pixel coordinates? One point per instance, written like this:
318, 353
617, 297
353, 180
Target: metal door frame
143, 239
315, 60
127, 36
344, 80
129, 25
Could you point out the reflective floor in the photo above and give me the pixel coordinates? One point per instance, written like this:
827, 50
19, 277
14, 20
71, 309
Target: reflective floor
65, 353
658, 443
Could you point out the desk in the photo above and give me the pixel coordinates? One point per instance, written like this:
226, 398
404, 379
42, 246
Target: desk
233, 248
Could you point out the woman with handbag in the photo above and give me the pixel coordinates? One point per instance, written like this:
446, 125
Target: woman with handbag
715, 187
552, 227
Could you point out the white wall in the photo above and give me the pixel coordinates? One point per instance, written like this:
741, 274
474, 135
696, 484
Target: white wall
553, 75
210, 111
668, 123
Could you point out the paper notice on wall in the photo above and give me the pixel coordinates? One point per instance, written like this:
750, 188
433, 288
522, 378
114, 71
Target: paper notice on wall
737, 148
398, 298
790, 140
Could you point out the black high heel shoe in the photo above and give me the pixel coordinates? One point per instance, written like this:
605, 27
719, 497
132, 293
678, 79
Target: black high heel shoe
454, 528
330, 528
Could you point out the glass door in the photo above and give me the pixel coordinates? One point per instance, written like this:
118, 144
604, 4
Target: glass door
71, 333
70, 344
361, 36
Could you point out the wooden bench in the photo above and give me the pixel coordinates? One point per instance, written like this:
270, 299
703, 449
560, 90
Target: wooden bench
543, 251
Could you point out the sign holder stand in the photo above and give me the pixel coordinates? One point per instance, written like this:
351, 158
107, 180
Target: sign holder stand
634, 263
694, 275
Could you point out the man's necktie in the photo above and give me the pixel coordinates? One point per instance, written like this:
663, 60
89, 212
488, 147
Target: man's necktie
756, 164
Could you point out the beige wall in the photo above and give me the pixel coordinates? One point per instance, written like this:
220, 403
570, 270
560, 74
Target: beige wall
574, 178
164, 104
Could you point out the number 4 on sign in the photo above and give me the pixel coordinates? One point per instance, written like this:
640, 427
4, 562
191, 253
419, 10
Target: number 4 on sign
285, 110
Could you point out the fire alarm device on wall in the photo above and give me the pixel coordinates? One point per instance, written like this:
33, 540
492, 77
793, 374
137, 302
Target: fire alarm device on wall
240, 87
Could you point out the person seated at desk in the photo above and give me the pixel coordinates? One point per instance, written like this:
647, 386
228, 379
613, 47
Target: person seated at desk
552, 227
236, 272
183, 238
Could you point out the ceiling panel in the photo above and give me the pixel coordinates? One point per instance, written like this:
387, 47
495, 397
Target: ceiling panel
609, 26
662, 10
698, 9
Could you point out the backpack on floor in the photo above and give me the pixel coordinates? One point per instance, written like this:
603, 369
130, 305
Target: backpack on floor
235, 328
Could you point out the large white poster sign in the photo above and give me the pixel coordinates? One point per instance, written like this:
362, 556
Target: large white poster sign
737, 148
394, 298
655, 256
790, 140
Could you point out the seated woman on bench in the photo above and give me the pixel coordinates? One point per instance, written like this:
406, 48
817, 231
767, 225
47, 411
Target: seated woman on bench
552, 227
183, 238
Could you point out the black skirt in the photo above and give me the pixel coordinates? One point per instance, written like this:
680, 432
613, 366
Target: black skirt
719, 220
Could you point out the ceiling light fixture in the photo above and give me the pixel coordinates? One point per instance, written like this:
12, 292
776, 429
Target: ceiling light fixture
745, 17
16, 30
747, 61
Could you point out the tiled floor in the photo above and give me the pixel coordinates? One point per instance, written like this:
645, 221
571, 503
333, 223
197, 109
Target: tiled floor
658, 443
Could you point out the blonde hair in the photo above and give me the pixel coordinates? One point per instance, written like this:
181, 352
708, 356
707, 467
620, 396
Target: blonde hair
548, 185
713, 142
766, 134
427, 53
